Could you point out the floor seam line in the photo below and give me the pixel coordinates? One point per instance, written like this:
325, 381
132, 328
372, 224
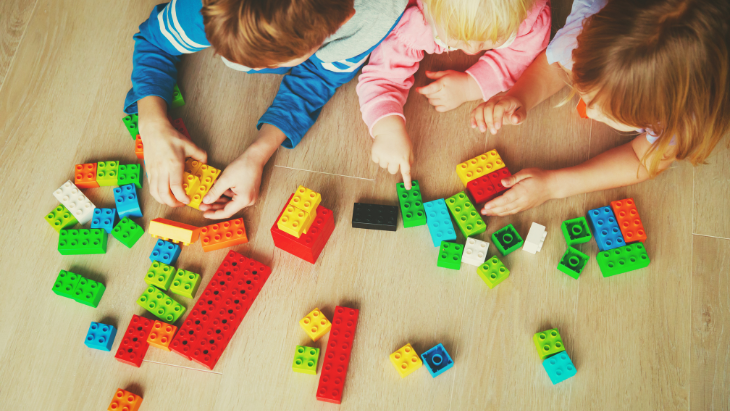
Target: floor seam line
711, 236
323, 172
182, 366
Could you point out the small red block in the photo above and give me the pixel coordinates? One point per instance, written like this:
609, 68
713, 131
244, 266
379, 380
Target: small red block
309, 246
487, 186
180, 126
337, 357
627, 217
134, 344
85, 176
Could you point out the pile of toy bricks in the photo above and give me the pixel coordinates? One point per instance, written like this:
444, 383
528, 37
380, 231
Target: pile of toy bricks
555, 360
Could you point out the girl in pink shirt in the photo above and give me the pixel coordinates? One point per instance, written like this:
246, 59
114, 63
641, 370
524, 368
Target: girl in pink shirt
513, 32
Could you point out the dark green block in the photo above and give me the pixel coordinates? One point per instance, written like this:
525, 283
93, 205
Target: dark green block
65, 284
132, 123
507, 239
82, 241
89, 292
573, 262
129, 174
127, 232
411, 205
623, 259
450, 255
576, 231
177, 98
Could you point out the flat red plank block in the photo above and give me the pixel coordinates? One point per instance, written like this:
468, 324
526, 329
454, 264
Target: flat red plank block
180, 126
337, 357
134, 344
627, 217
309, 246
487, 186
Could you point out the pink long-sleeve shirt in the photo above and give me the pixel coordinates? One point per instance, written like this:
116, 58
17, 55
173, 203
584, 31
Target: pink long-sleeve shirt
384, 83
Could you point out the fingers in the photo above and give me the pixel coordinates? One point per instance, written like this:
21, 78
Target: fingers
435, 75
176, 185
496, 123
497, 203
191, 150
518, 116
517, 177
393, 168
432, 88
405, 171
163, 190
219, 187
229, 209
477, 117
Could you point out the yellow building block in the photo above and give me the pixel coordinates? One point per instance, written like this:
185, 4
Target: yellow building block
173, 231
307, 200
406, 360
292, 221
192, 166
315, 324
479, 166
207, 176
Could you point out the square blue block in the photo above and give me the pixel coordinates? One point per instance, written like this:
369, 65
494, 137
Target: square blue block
126, 199
559, 367
437, 360
165, 252
439, 222
104, 218
100, 336
605, 229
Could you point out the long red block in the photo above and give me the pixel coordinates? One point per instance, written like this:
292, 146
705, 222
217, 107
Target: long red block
627, 217
337, 356
309, 246
487, 186
134, 343
215, 317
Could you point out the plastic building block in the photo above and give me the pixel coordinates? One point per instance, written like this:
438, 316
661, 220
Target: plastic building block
125, 401
581, 108
573, 262
375, 217
191, 184
467, 217
605, 229
75, 201
134, 344
628, 219
173, 231
487, 187
60, 218
139, 147
160, 304
437, 360
309, 246
104, 218
85, 176
576, 231
493, 272
548, 343
439, 222
83, 241
623, 259
185, 283
66, 283
223, 235
337, 357
406, 360
177, 98
220, 309
475, 252
411, 205
106, 173
292, 221
126, 199
100, 336
305, 360
450, 255
129, 174
89, 292
165, 252
507, 239
479, 166
161, 335
535, 238
207, 176
191, 165
132, 123
306, 200
315, 324
127, 232
559, 367
160, 275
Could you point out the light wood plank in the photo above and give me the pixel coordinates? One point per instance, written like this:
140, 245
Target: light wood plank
14, 18
712, 193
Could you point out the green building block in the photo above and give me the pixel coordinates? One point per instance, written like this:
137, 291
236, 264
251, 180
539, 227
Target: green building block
185, 283
623, 259
450, 255
106, 173
507, 239
129, 174
411, 205
160, 275
132, 122
548, 343
82, 241
161, 305
305, 360
60, 218
177, 98
493, 272
467, 217
573, 262
127, 232
576, 231
89, 292
65, 284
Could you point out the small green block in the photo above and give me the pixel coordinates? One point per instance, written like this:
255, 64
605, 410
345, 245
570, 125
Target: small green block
305, 360
450, 255
493, 272
128, 174
60, 218
127, 232
89, 292
507, 239
177, 98
576, 231
106, 173
161, 305
467, 217
411, 205
185, 283
623, 259
160, 275
65, 284
82, 241
573, 262
132, 123
548, 343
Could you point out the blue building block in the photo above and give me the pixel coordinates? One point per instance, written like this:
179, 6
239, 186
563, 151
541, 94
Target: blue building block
100, 336
439, 222
104, 218
605, 229
437, 360
126, 199
559, 367
165, 252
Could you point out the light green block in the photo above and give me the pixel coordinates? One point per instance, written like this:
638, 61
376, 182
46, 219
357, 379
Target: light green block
160, 275
60, 218
106, 173
160, 305
466, 216
89, 292
493, 272
185, 283
548, 343
305, 360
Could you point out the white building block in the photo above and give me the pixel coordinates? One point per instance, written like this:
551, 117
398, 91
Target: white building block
70, 196
535, 238
475, 252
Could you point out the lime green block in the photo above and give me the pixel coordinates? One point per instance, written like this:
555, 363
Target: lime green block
160, 275
411, 205
507, 239
576, 231
177, 98
83, 241
493, 272
305, 360
106, 173
450, 255
548, 343
127, 232
129, 174
573, 262
60, 218
160, 305
89, 292
132, 123
467, 217
185, 283
65, 284
623, 259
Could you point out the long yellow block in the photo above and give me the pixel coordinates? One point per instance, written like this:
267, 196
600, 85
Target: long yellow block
479, 166
173, 231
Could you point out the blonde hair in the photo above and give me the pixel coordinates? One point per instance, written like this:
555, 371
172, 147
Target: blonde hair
478, 20
660, 65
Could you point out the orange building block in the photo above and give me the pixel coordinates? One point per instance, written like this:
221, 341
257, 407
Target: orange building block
85, 176
125, 401
139, 147
173, 231
581, 108
627, 217
223, 235
161, 335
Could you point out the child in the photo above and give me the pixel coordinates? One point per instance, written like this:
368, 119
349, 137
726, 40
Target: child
320, 43
513, 32
656, 66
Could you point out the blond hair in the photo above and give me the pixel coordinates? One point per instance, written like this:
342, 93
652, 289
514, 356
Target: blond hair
478, 20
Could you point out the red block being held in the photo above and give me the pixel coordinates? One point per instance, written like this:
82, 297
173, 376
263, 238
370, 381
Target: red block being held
180, 126
337, 357
134, 344
487, 186
309, 246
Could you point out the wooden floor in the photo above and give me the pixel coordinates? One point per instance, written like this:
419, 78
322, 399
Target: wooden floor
656, 339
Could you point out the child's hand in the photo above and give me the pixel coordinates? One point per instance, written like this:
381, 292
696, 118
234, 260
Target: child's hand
500, 109
392, 147
236, 188
530, 188
450, 90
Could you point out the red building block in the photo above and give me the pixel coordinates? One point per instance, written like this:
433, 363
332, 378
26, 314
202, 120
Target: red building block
180, 126
487, 186
85, 176
309, 246
627, 217
337, 356
223, 235
134, 344
220, 309
139, 147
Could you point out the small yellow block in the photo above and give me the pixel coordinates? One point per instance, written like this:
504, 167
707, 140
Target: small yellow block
192, 166
315, 324
292, 221
479, 166
306, 200
406, 360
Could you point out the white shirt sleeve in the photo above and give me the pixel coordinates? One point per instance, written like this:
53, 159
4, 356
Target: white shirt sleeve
565, 41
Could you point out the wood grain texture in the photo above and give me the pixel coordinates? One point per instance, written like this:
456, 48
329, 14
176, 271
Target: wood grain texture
712, 193
14, 18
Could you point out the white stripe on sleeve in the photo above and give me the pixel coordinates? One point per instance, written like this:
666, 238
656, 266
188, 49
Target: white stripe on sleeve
180, 30
169, 37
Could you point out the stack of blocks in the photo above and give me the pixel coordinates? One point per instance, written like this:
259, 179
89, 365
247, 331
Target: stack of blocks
556, 361
198, 178
78, 288
314, 224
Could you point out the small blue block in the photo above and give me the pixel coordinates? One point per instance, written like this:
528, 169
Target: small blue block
165, 252
104, 218
437, 360
605, 229
559, 367
126, 199
100, 336
439, 222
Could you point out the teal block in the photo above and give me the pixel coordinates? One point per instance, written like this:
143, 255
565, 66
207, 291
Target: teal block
467, 217
559, 367
573, 262
507, 239
623, 259
411, 205
82, 241
576, 231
